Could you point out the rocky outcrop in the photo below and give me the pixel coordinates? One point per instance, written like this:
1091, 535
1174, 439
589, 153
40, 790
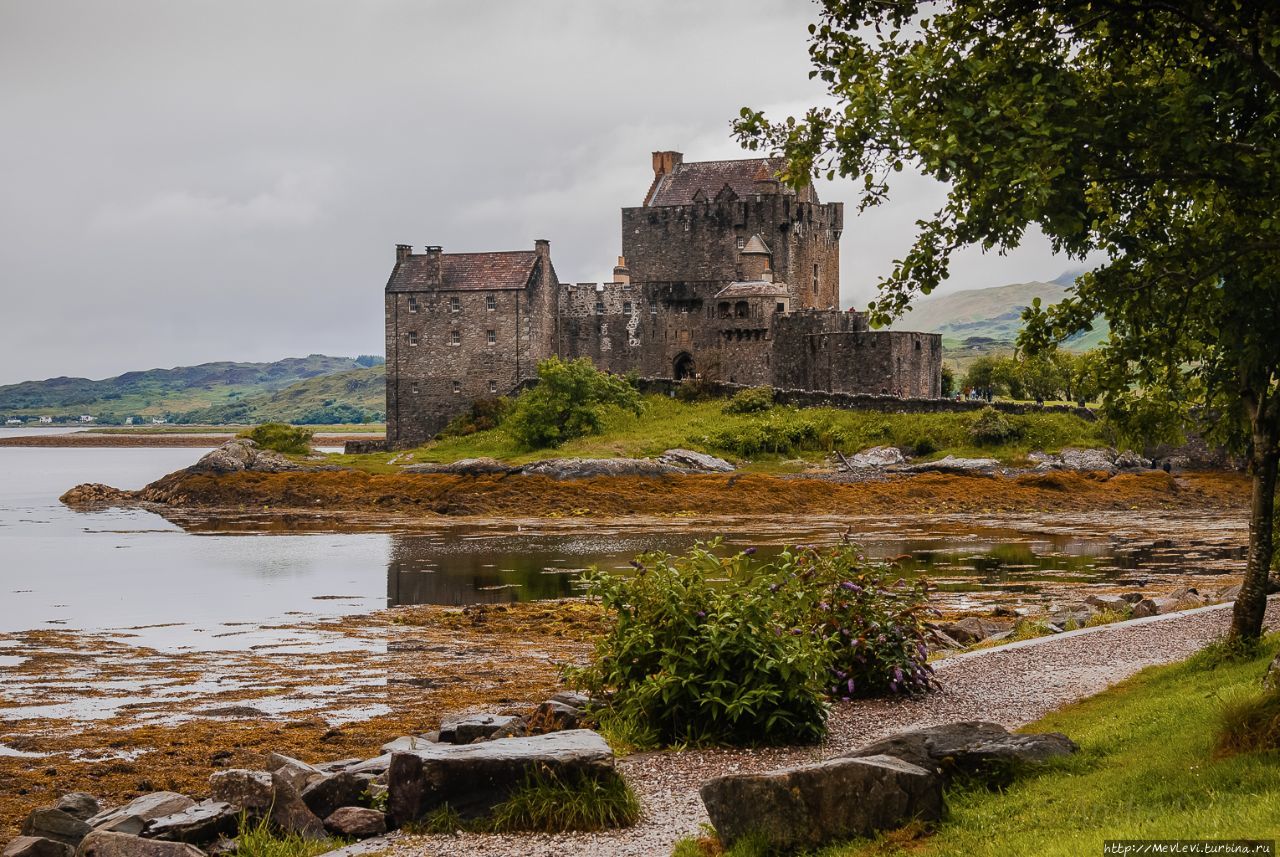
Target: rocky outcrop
810, 806
473, 778
695, 461
242, 454
951, 464
1089, 460
588, 468
876, 457
55, 824
975, 629
970, 749
36, 846
465, 467
203, 822
95, 495
105, 844
133, 816
356, 822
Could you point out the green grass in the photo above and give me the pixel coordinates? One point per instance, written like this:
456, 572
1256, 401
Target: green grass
545, 803
667, 423
1148, 769
256, 839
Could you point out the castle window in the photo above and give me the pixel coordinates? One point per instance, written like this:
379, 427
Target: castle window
457, 386
491, 336
413, 303
493, 386
782, 307
626, 310
815, 279
455, 337
599, 307
724, 309
653, 304
742, 242
742, 309
455, 305
413, 337
490, 302
414, 389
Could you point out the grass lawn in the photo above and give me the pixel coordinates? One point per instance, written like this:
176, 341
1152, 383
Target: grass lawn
779, 439
1146, 770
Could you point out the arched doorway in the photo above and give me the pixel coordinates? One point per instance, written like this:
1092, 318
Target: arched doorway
683, 366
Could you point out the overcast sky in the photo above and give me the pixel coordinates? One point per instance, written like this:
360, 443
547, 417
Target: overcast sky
186, 181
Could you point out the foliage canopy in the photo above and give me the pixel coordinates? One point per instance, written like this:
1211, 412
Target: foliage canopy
566, 403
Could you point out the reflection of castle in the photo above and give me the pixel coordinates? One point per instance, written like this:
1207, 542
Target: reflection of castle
726, 273
420, 571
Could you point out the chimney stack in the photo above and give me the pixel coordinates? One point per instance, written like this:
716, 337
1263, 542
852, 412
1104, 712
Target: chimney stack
431, 269
622, 274
666, 162
403, 251
543, 247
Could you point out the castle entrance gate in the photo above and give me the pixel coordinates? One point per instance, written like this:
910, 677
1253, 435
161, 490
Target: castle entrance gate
683, 366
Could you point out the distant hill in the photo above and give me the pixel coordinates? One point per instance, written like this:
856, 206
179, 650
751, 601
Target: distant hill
978, 320
174, 393
353, 396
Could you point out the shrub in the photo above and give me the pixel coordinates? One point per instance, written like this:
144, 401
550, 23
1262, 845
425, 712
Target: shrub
566, 403
280, 437
781, 431
751, 401
1249, 723
923, 445
694, 390
712, 650
546, 803
484, 414
991, 428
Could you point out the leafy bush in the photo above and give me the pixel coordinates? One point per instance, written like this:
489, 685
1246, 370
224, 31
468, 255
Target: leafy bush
991, 428
706, 649
694, 390
336, 414
923, 445
280, 437
566, 403
781, 431
484, 414
751, 401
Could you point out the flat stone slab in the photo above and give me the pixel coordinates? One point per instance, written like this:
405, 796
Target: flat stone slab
133, 816
103, 843
473, 778
810, 806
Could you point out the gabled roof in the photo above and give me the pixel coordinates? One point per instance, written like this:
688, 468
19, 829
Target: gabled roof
756, 245
712, 178
463, 271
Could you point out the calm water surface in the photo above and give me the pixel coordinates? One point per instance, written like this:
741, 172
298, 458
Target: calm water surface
136, 575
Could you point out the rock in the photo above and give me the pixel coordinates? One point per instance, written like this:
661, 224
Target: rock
1044, 461
517, 728
586, 468
102, 843
95, 495
939, 640
298, 773
1088, 459
242, 454
807, 807
877, 456
250, 791
338, 766
333, 792
552, 716
973, 629
464, 730
472, 778
133, 816
406, 742
976, 749
1153, 607
56, 824
79, 805
290, 813
1130, 460
203, 822
465, 467
951, 464
356, 822
1133, 597
375, 766
1072, 619
37, 846
1229, 593
1114, 603
1190, 601
1271, 678
222, 848
579, 701
699, 461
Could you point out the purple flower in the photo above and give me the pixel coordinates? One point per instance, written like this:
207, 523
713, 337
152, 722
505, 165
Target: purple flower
897, 675
635, 563
749, 551
701, 614
849, 685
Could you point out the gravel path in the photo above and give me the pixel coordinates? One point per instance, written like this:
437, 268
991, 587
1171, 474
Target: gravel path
1012, 685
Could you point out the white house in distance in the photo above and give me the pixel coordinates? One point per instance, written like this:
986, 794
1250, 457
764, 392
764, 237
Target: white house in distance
46, 421
86, 418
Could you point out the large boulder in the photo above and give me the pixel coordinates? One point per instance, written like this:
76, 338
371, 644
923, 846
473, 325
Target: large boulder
298, 773
53, 823
1154, 607
951, 464
473, 778
465, 729
356, 822
876, 457
203, 822
975, 629
243, 454
133, 816
335, 791
95, 495
79, 805
699, 461
37, 846
1112, 603
1088, 459
250, 791
587, 468
102, 843
970, 749
810, 806
553, 715
290, 813
465, 467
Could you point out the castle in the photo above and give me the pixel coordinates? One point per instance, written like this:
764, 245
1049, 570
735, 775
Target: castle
725, 273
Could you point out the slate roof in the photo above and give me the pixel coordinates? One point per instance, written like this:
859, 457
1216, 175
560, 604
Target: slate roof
753, 289
756, 245
682, 185
464, 271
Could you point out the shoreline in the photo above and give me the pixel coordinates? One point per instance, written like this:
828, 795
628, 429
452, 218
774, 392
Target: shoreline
89, 439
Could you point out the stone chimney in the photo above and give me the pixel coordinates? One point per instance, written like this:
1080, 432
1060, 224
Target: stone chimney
403, 251
543, 247
621, 274
666, 162
431, 268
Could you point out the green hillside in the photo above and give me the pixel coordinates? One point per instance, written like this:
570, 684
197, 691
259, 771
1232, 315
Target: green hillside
173, 393
354, 396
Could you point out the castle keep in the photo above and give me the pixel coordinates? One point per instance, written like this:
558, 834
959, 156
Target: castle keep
725, 272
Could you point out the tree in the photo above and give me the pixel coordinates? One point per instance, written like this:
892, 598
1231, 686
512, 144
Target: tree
1145, 130
981, 376
948, 382
566, 403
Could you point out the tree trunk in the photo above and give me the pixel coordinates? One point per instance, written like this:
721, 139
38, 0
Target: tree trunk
1251, 603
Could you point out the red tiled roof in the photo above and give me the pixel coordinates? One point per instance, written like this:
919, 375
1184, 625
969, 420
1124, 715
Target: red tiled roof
680, 186
460, 271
